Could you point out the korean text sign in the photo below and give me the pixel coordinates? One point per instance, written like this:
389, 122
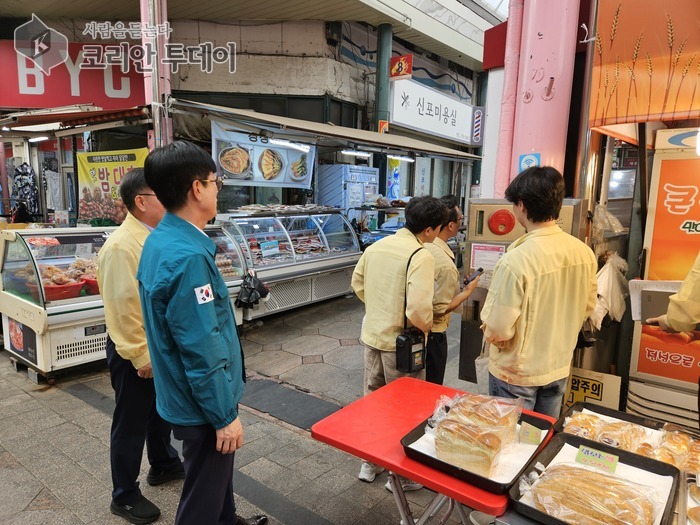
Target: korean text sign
99, 177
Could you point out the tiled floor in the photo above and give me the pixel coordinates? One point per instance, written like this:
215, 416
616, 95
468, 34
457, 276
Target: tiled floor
54, 461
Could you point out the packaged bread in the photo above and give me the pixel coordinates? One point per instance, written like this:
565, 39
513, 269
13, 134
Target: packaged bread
498, 415
582, 496
467, 446
583, 425
655, 452
621, 434
677, 442
691, 462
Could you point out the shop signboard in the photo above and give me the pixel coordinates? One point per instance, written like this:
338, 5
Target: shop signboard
672, 240
99, 177
247, 159
74, 81
420, 108
400, 67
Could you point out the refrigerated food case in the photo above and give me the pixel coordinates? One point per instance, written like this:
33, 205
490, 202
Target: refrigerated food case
52, 312
301, 257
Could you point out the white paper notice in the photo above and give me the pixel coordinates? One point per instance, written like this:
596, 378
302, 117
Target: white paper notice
486, 255
636, 287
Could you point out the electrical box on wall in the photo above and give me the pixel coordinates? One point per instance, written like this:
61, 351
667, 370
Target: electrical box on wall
493, 220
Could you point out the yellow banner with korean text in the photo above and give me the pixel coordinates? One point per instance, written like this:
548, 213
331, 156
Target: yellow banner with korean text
99, 176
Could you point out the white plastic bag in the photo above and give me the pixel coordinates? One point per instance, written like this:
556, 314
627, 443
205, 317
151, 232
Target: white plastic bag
481, 364
613, 289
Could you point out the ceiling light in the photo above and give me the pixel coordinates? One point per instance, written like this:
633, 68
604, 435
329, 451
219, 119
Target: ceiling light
301, 147
400, 157
354, 153
37, 139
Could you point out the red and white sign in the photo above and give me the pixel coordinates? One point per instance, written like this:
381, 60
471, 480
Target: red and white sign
24, 85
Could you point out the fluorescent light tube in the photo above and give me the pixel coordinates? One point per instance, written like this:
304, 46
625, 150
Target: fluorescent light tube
301, 147
37, 139
354, 153
400, 157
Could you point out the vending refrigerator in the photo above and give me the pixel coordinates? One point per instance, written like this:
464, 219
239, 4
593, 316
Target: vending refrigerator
347, 186
664, 367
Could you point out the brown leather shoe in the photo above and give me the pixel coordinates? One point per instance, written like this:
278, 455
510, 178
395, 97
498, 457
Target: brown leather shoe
260, 519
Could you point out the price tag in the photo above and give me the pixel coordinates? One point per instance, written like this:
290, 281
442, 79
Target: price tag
83, 250
530, 433
269, 248
597, 459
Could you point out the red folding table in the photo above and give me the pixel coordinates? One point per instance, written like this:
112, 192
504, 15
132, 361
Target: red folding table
371, 428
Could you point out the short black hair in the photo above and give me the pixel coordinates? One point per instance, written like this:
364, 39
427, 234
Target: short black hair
171, 169
541, 190
451, 203
132, 184
424, 212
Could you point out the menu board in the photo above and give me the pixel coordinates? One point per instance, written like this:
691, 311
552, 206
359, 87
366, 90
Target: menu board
254, 160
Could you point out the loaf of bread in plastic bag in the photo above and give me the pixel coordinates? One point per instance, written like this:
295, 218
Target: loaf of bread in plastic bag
582, 496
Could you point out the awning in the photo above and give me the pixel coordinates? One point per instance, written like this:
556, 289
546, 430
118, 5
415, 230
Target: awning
51, 121
316, 133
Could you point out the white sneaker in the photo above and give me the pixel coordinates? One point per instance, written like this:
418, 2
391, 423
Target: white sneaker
369, 471
406, 484
481, 518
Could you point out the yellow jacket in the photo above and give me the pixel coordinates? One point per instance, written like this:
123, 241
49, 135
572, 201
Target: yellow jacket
446, 283
379, 280
117, 263
542, 290
684, 307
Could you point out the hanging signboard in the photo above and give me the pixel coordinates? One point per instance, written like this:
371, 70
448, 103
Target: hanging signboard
418, 107
251, 160
400, 67
99, 177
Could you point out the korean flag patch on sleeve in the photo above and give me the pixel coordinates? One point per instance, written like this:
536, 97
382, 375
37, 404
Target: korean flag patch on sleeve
204, 294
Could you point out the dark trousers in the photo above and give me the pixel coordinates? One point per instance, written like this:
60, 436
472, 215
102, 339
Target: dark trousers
436, 358
207, 493
135, 423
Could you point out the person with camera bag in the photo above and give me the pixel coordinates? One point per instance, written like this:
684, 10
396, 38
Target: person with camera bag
395, 279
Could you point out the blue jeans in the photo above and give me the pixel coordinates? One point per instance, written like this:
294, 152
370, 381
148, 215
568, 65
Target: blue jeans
545, 399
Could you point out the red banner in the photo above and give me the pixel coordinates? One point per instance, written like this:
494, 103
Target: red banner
25, 85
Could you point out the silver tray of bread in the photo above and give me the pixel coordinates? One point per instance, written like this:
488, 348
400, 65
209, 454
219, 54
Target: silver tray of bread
483, 440
555, 488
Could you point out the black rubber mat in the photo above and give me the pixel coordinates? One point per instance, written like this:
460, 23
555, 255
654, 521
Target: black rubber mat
288, 404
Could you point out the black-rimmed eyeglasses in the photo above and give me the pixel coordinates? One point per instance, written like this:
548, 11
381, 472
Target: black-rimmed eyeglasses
219, 182
145, 194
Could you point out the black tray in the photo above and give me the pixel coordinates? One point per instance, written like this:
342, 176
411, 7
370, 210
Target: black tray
465, 475
605, 411
628, 458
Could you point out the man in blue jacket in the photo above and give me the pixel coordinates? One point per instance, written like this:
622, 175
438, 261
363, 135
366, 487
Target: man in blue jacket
195, 350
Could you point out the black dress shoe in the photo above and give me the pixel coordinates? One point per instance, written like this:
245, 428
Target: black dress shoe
260, 519
158, 477
140, 512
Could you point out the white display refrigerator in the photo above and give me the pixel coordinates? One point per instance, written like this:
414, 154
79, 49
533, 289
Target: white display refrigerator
664, 367
346, 186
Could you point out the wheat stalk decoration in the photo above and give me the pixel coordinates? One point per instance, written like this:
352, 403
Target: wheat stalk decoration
650, 73
672, 58
630, 69
613, 27
697, 81
684, 73
599, 52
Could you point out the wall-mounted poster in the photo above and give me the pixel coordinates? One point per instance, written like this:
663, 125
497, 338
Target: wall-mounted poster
99, 176
252, 160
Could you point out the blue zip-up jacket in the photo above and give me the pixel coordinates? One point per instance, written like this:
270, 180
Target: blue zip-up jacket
192, 337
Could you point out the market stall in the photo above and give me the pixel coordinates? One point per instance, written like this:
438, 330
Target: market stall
593, 465
303, 254
52, 313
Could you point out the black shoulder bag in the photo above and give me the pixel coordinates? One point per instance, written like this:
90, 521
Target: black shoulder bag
410, 344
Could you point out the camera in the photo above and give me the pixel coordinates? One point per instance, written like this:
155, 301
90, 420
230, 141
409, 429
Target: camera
410, 351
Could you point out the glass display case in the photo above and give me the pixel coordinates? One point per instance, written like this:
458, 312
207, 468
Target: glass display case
52, 312
302, 257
